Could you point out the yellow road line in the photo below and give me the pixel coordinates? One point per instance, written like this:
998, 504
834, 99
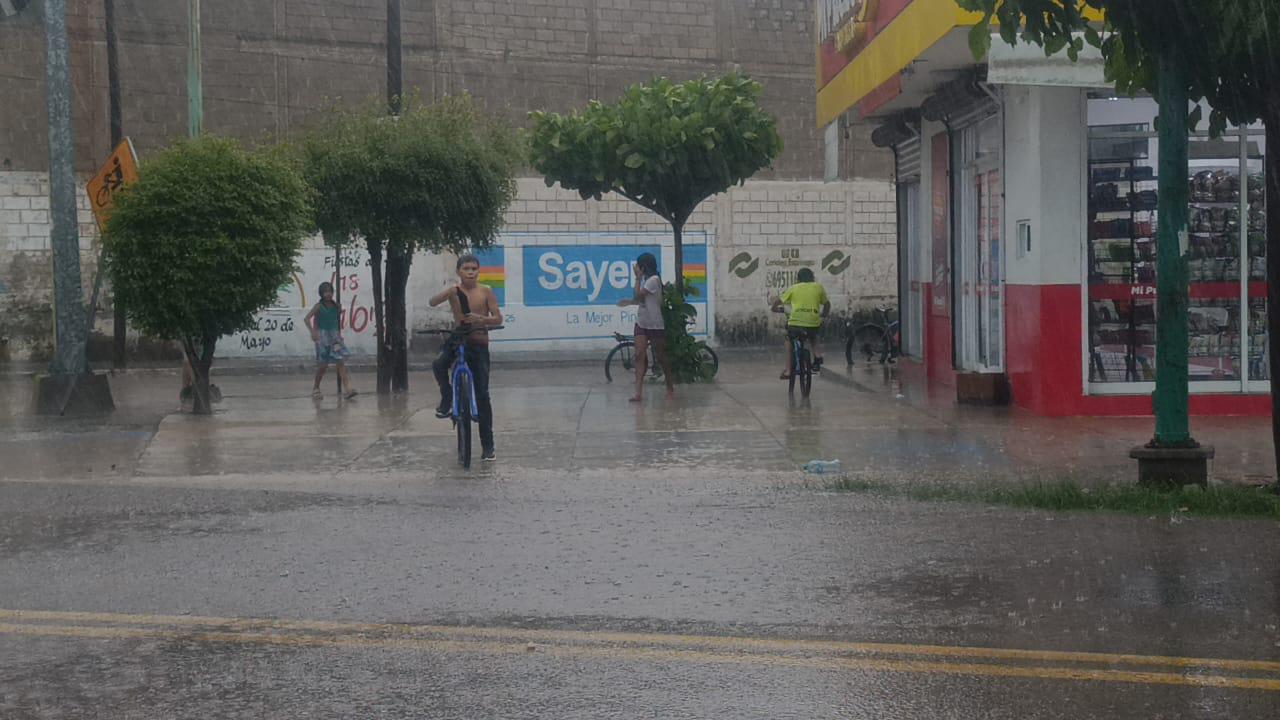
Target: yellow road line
566, 637
659, 654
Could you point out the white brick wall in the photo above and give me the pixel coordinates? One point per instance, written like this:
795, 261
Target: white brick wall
761, 218
26, 282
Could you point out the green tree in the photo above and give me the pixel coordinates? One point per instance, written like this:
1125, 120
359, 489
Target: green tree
203, 241
1225, 52
437, 177
665, 146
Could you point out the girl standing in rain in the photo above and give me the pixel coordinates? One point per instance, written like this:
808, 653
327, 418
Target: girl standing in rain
325, 322
650, 329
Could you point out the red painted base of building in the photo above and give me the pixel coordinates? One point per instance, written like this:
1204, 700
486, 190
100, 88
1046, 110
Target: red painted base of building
1043, 331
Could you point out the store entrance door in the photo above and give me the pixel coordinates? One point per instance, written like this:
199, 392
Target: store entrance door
979, 250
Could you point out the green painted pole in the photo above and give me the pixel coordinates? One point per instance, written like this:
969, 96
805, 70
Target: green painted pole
1173, 427
195, 75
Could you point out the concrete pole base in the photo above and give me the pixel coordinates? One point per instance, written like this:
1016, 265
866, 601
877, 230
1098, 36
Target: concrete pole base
90, 394
1171, 468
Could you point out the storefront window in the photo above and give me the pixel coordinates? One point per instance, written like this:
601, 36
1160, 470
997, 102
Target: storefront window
1256, 238
1225, 253
1214, 260
1121, 253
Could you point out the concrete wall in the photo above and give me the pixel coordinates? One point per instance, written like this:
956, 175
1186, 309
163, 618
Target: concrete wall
762, 233
271, 65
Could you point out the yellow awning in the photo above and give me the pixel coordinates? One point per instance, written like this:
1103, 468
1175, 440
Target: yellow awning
917, 28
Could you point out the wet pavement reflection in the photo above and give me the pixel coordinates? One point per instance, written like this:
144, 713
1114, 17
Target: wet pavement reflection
289, 557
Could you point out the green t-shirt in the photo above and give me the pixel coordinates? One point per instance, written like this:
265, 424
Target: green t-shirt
806, 300
329, 317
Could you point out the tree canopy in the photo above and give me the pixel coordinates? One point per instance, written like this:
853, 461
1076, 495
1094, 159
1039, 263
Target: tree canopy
204, 240
1227, 47
666, 146
439, 176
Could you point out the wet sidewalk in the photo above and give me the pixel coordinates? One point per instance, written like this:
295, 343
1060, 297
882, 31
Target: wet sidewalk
565, 418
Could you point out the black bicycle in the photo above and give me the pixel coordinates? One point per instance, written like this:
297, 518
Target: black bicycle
801, 358
463, 409
801, 362
624, 355
879, 339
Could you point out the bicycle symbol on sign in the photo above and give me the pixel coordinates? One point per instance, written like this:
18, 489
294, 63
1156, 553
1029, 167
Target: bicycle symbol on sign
111, 181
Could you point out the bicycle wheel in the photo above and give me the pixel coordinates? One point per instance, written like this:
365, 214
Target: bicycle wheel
804, 372
795, 368
709, 359
867, 342
463, 421
624, 353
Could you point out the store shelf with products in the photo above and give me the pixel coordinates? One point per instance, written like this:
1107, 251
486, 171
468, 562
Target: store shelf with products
1121, 262
1225, 254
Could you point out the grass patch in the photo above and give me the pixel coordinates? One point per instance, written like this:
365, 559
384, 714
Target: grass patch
1217, 501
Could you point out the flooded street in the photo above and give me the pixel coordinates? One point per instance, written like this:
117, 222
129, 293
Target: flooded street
291, 557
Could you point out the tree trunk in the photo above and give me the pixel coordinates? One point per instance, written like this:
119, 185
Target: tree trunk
1271, 117
677, 236
398, 264
200, 357
379, 316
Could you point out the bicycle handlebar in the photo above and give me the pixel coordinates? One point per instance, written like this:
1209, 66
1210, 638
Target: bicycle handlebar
459, 331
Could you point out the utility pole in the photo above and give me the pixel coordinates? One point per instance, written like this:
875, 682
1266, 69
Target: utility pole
68, 385
68, 295
195, 73
119, 348
395, 59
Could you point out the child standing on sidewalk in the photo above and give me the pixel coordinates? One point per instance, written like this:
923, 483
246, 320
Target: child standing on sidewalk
325, 322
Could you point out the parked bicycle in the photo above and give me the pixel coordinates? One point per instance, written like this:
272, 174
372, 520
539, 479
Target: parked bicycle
624, 355
463, 410
879, 339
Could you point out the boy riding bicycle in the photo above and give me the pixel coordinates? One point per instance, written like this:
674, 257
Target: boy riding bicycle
474, 306
809, 307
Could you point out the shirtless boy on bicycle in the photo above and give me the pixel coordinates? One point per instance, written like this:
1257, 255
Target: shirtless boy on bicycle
809, 307
473, 305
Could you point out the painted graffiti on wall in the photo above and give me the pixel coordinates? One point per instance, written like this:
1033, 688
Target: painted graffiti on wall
558, 287
781, 266
279, 330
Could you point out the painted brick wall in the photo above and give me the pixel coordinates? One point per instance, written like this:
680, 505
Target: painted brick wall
269, 65
26, 270
775, 226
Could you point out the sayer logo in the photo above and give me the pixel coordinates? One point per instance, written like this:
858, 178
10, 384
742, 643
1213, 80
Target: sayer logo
581, 274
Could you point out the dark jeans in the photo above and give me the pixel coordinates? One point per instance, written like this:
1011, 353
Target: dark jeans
478, 361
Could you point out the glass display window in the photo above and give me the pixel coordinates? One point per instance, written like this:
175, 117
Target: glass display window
1225, 252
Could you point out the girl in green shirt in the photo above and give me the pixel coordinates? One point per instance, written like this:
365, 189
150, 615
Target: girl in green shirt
325, 322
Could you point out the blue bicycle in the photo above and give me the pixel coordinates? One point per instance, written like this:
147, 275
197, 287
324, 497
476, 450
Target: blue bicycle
464, 408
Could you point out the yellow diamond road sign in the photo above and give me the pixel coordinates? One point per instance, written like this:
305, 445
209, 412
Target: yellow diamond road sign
119, 170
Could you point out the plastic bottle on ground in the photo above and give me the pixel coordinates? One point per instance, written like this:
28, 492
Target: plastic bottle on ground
822, 467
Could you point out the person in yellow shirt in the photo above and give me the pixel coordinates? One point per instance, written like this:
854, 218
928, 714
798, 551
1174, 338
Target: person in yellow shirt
809, 307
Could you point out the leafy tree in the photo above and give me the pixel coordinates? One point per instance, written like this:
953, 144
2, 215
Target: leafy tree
203, 241
665, 146
437, 177
1226, 52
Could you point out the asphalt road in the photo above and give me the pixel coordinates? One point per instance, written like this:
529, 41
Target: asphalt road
291, 559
